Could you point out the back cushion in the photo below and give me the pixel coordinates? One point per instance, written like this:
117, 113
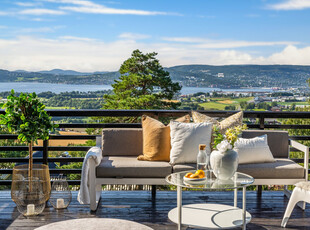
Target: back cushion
122, 142
277, 141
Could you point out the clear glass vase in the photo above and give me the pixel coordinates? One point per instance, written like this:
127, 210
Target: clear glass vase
60, 194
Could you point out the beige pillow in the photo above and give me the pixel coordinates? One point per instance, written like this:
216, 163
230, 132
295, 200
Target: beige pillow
229, 122
156, 139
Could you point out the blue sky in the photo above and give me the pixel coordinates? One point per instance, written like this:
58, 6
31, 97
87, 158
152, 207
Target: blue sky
98, 35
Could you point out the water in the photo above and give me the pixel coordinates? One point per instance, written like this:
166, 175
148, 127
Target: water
58, 88
44, 87
192, 90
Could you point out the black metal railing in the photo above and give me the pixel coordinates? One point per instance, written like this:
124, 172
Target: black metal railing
258, 122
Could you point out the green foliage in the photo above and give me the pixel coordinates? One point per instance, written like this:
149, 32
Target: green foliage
25, 116
143, 84
231, 135
294, 121
230, 107
218, 137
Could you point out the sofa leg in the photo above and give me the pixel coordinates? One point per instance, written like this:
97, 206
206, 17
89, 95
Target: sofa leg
259, 190
153, 192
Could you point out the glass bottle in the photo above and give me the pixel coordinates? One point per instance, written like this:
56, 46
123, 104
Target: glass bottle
202, 158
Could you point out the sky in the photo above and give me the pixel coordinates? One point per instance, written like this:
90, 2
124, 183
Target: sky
99, 35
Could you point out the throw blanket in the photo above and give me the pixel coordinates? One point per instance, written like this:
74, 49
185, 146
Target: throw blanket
93, 153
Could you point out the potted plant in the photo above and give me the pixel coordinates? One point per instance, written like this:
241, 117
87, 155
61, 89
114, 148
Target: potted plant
26, 117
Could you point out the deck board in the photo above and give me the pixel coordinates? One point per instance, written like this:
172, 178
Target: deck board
267, 212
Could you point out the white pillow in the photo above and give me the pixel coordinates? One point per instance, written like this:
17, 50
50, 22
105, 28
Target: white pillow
253, 150
185, 140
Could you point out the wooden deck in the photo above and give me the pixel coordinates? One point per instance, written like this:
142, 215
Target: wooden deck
137, 206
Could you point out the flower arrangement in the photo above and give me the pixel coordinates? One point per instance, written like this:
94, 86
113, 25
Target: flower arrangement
223, 142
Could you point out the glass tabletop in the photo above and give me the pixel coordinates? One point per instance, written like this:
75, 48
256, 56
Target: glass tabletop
239, 180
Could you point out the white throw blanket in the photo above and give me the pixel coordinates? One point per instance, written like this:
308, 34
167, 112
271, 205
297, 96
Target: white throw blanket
93, 153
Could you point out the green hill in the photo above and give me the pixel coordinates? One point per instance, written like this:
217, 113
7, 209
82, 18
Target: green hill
234, 76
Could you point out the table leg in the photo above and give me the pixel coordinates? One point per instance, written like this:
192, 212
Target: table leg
235, 190
244, 207
179, 205
235, 197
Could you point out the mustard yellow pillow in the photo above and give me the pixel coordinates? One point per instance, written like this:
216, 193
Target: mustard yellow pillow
156, 139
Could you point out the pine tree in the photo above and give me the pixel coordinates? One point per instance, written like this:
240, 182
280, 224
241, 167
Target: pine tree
143, 84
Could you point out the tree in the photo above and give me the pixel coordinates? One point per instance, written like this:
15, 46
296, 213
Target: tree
143, 84
25, 116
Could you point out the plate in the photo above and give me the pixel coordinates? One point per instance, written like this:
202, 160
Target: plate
195, 180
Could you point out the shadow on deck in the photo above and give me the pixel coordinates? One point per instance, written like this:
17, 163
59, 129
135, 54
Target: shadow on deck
267, 212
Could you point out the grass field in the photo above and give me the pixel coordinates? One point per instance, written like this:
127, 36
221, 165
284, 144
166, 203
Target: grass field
296, 103
50, 107
65, 142
222, 102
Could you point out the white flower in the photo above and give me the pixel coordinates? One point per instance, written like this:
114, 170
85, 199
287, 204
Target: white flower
223, 146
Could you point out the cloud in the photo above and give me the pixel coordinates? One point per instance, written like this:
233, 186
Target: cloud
40, 29
4, 13
223, 44
80, 6
290, 5
27, 4
76, 38
291, 55
134, 36
41, 11
83, 6
86, 54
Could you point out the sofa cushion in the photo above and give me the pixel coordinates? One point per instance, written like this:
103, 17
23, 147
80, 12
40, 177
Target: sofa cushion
121, 141
277, 141
280, 169
130, 167
229, 122
156, 139
185, 140
183, 167
253, 150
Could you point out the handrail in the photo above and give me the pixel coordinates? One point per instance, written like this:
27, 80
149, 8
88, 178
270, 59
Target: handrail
259, 123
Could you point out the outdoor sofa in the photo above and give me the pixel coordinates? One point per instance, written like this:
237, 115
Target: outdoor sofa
121, 146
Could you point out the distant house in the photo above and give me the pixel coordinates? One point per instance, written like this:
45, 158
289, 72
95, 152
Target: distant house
275, 109
220, 75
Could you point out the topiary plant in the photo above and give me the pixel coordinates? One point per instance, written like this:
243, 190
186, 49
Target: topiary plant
25, 116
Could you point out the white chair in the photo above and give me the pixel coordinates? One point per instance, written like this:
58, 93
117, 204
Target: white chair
300, 193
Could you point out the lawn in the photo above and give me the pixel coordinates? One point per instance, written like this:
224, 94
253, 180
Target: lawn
221, 103
296, 103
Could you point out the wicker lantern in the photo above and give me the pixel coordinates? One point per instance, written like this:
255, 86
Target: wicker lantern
60, 194
30, 193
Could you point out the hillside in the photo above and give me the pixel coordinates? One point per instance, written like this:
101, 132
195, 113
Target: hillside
234, 76
23, 76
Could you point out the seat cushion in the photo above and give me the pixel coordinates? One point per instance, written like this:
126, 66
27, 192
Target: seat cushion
131, 167
280, 169
183, 167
